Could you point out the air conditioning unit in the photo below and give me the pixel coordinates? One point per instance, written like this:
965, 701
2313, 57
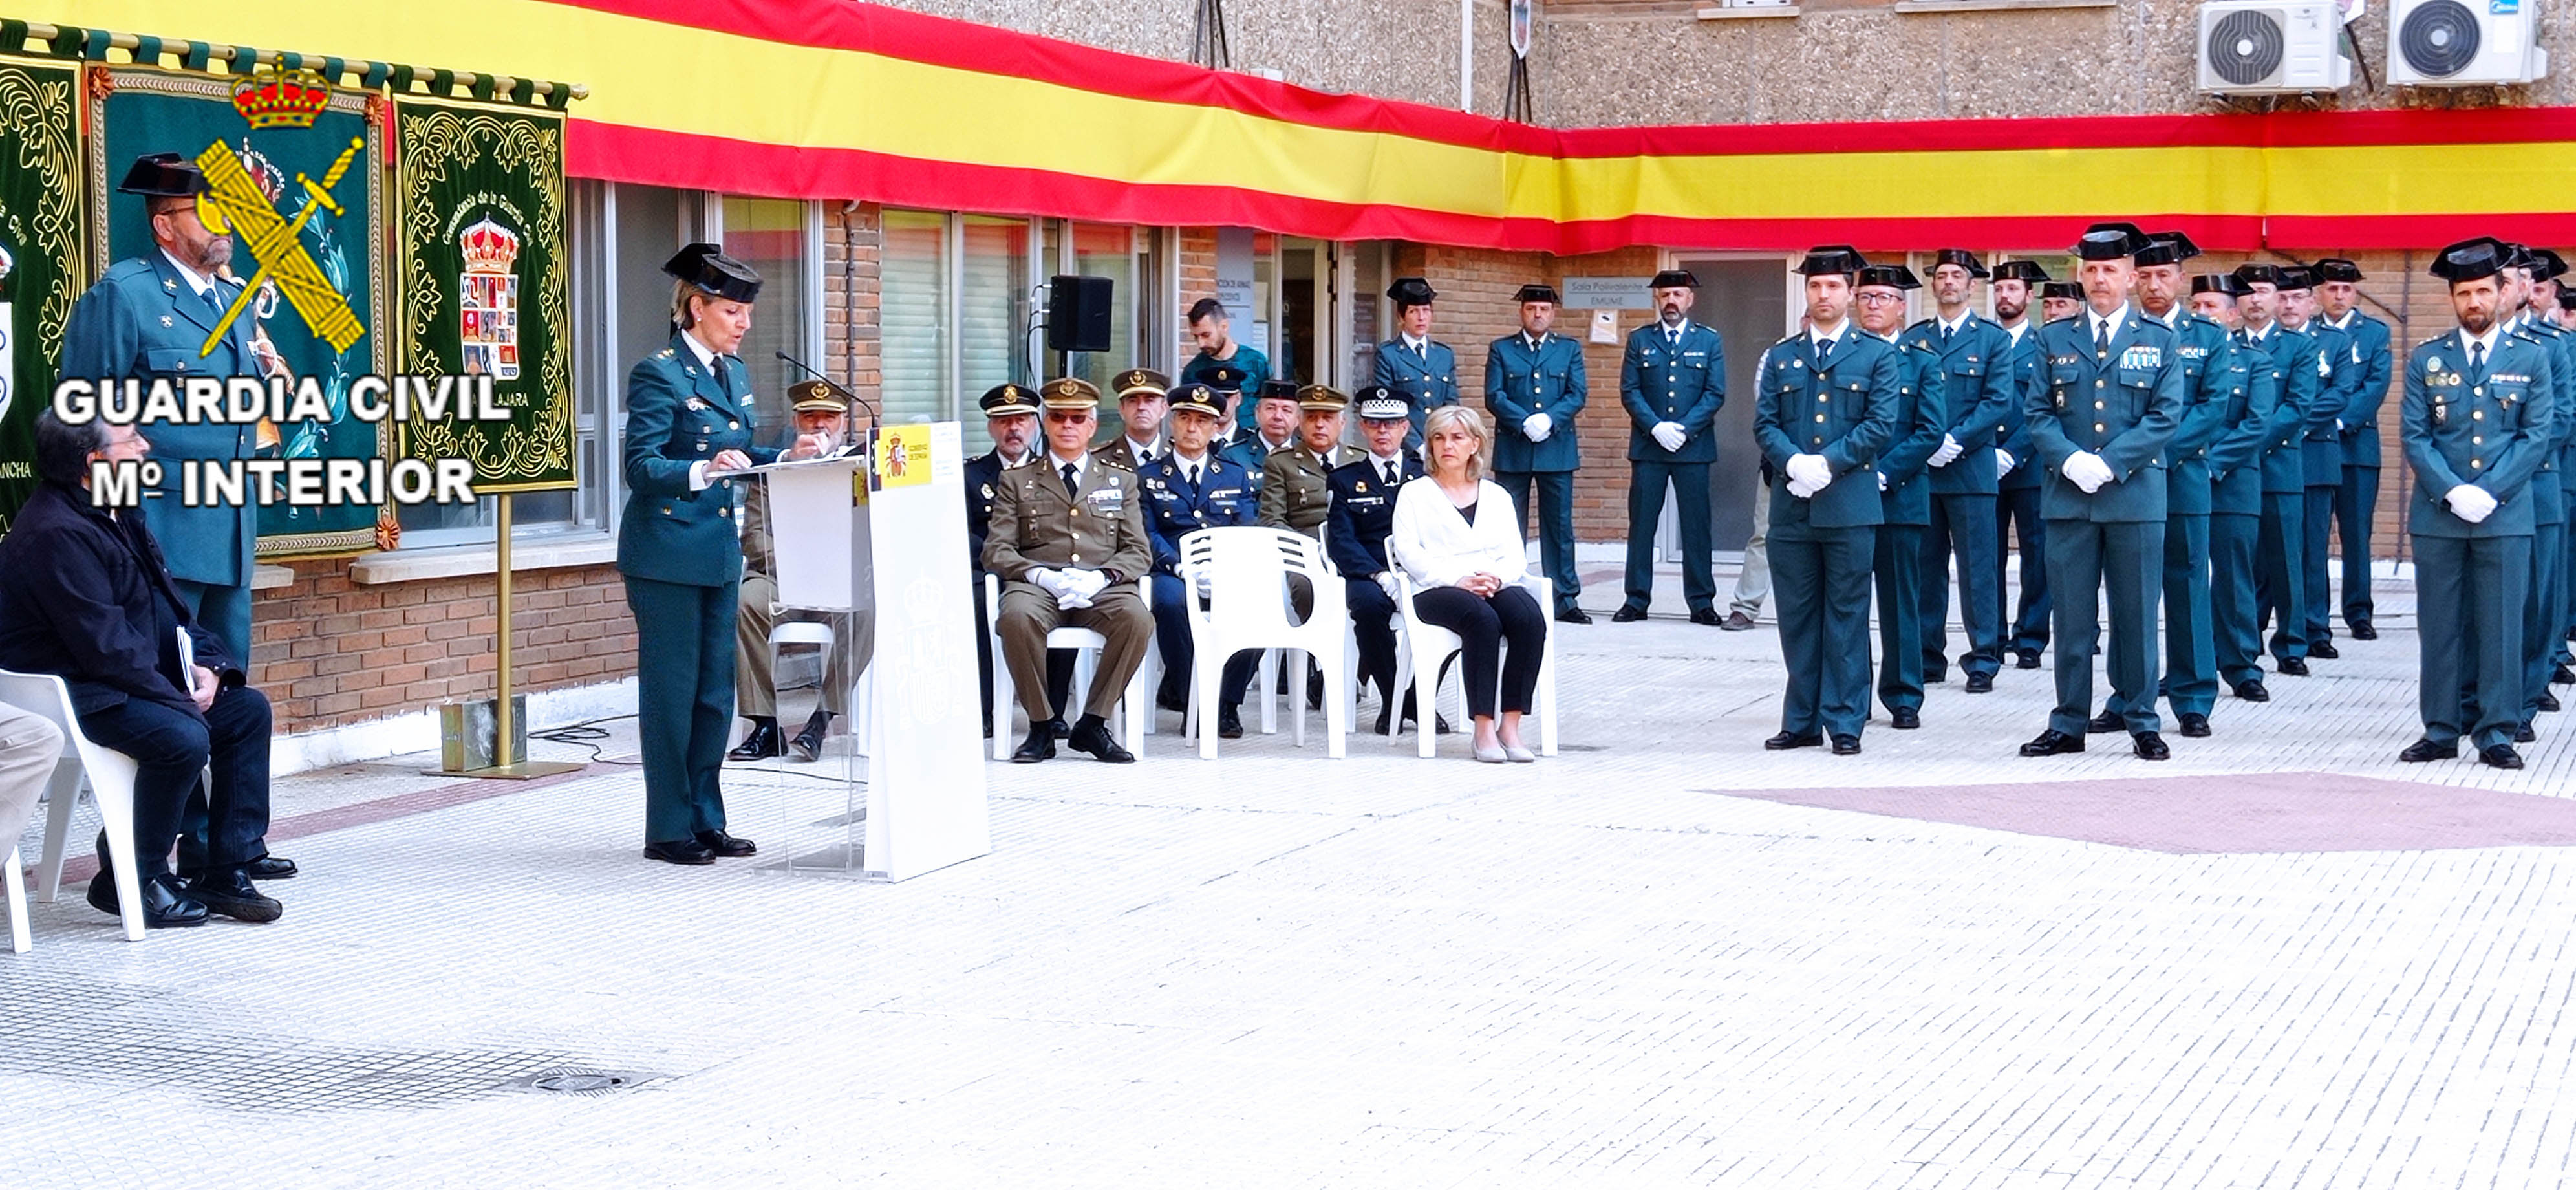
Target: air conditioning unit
2448, 43
2267, 47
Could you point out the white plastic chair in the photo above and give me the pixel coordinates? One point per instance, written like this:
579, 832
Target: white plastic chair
1247, 570
1135, 707
111, 785
1426, 647
17, 878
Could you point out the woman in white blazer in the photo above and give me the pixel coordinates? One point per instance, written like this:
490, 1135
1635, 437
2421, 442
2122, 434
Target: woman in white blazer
1456, 538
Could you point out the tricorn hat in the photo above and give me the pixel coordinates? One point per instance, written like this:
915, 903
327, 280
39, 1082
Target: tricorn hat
165, 175
707, 267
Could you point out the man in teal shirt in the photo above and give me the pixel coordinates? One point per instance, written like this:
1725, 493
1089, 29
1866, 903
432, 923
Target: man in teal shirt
1218, 352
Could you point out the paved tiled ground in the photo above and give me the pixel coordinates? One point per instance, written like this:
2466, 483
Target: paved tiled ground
1278, 970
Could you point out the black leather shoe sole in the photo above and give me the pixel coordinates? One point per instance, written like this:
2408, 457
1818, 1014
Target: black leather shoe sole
727, 846
2053, 743
2253, 692
2324, 652
1981, 684
1627, 615
2424, 750
251, 908
2500, 756
2196, 726
269, 867
1787, 740
1706, 617
1905, 718
2293, 666
1846, 745
687, 852
1034, 751
2151, 746
2363, 631
1573, 615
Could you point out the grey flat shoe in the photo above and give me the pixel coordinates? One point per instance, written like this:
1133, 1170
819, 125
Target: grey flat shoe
1490, 756
1518, 755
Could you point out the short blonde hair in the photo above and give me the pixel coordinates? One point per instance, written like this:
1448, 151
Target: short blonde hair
1461, 417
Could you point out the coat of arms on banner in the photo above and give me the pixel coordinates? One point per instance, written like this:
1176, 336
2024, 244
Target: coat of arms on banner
488, 301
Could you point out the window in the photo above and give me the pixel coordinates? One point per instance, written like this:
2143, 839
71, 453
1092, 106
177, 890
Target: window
773, 236
992, 316
912, 317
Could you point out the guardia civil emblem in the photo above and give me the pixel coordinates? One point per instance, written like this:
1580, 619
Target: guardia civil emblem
488, 306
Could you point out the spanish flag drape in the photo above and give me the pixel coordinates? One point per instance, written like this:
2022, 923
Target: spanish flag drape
837, 99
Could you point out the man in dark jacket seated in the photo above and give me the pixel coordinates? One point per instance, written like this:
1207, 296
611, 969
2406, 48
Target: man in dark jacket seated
84, 594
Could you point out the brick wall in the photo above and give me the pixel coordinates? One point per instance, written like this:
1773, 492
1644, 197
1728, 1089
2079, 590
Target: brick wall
329, 651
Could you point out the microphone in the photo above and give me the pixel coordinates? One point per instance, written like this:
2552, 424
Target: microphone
835, 385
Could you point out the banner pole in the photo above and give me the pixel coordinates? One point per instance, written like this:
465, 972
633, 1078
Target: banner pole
509, 761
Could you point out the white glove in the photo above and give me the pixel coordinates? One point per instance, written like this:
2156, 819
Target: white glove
1811, 470
1801, 490
2003, 462
1079, 586
1049, 581
2470, 502
2086, 470
1204, 581
1536, 427
1882, 481
1670, 434
1386, 582
1950, 450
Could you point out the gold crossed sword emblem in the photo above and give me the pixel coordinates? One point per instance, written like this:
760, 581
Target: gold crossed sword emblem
236, 205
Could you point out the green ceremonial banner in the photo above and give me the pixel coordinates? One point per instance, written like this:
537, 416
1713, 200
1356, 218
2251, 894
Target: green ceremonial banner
40, 253
318, 283
485, 286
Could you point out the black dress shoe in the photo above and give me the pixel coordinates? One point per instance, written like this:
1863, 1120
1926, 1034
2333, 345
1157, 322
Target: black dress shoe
1627, 614
763, 743
1846, 745
1981, 683
2026, 659
726, 846
2251, 690
2104, 723
1707, 616
1935, 677
2324, 651
1573, 615
1314, 690
1385, 717
2523, 734
269, 867
1229, 724
2194, 724
680, 851
2293, 666
2363, 631
1039, 746
808, 744
1736, 621
2546, 701
1790, 739
166, 903
1903, 719
2151, 746
2500, 756
2053, 742
1092, 736
227, 891
2424, 750
1171, 699
2562, 676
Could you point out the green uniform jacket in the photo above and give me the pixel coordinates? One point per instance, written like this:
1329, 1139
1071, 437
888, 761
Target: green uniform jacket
2212, 396
2124, 406
1294, 492
1845, 411
2488, 430
1520, 381
2236, 454
2299, 373
1920, 416
143, 321
678, 414
1978, 393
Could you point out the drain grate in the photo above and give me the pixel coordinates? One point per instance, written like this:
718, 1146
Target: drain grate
577, 1081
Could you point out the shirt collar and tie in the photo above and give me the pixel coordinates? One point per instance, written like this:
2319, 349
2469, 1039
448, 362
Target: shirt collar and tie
198, 283
1824, 340
1391, 467
2106, 325
2016, 329
1533, 343
708, 359
1953, 326
1673, 332
1142, 451
1193, 470
1421, 347
1071, 469
2480, 347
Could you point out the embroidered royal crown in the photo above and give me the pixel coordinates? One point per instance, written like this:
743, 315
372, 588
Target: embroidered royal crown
280, 98
489, 247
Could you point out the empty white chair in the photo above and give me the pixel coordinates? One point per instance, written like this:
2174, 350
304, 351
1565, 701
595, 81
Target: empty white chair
1425, 647
111, 784
17, 878
1246, 569
1135, 707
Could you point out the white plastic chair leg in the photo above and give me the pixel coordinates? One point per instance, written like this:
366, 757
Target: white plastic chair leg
1138, 706
1204, 691
1547, 701
1003, 697
1337, 711
17, 878
1297, 663
1269, 687
60, 798
1426, 704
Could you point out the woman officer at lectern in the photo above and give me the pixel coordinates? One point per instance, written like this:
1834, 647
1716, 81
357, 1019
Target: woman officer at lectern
689, 413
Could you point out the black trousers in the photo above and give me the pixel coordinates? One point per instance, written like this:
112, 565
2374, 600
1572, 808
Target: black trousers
171, 748
1483, 626
1373, 622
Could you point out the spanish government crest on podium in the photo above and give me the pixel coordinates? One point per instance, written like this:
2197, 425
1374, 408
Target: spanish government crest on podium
488, 299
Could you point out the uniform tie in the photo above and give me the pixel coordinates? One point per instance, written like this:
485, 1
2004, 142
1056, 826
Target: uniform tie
1945, 338
1824, 351
1673, 335
2101, 338
1393, 478
1072, 479
2478, 359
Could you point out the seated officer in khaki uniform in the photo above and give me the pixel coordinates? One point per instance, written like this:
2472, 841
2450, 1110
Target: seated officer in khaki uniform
821, 410
1067, 534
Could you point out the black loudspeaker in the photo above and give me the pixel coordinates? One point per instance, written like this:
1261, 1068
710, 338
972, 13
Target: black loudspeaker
1078, 314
